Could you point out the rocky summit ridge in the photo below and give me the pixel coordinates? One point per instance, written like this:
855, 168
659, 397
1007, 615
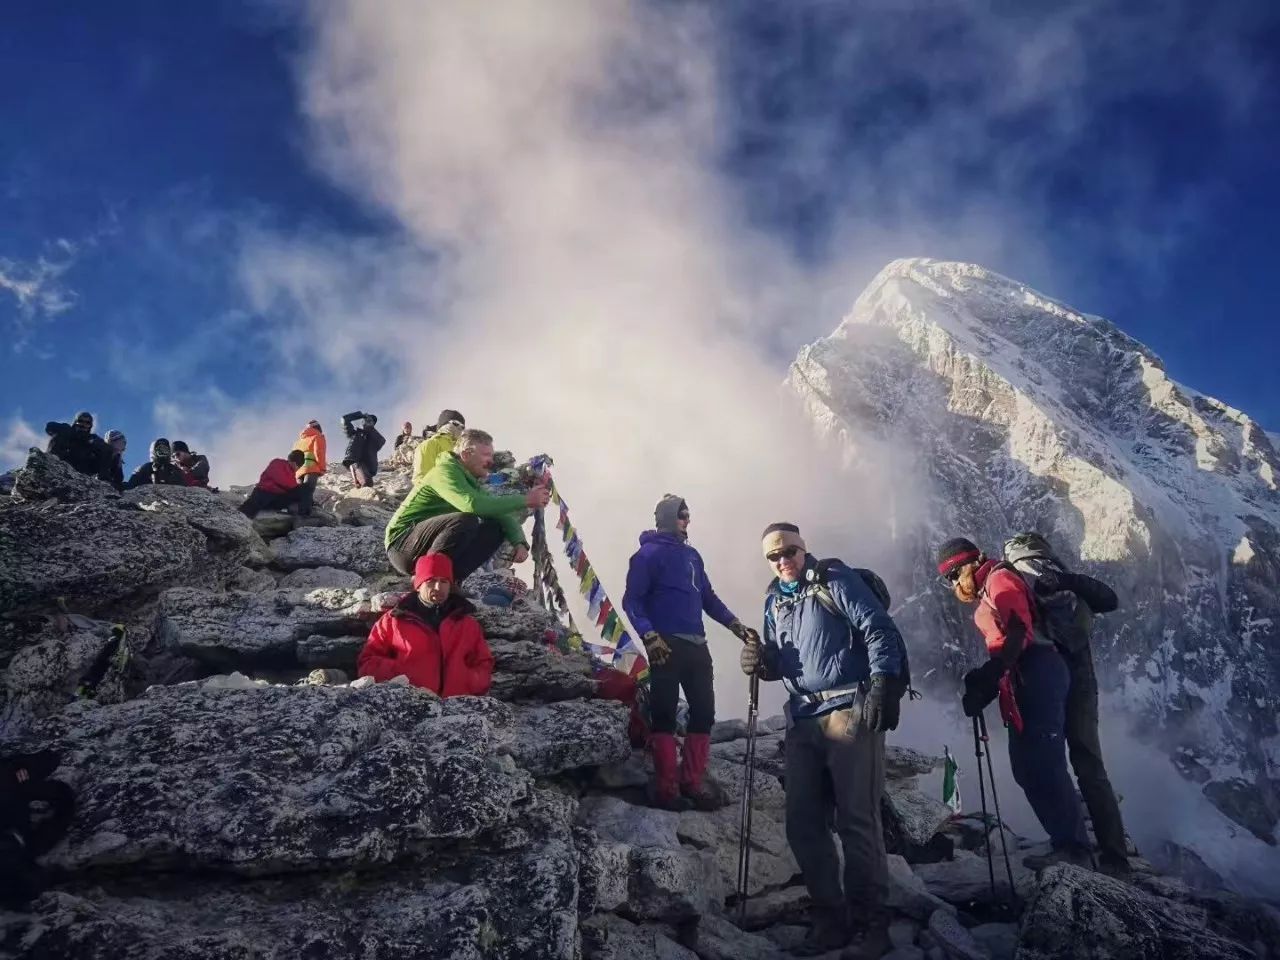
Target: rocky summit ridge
999, 409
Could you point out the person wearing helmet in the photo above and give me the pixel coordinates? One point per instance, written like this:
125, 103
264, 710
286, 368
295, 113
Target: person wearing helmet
160, 469
112, 471
77, 444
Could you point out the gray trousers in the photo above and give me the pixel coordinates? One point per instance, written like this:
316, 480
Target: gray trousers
834, 759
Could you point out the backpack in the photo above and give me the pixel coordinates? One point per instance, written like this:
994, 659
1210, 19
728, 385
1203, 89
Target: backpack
823, 595
1063, 617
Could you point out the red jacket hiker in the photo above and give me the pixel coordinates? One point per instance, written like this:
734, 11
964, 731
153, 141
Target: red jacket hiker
279, 477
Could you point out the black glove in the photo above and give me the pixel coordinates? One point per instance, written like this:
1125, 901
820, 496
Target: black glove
981, 686
750, 657
880, 707
744, 633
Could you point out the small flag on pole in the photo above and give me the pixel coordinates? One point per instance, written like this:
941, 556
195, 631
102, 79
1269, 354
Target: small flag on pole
950, 781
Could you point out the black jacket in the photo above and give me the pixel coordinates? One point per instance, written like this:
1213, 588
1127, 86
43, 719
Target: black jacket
157, 471
85, 451
112, 471
363, 444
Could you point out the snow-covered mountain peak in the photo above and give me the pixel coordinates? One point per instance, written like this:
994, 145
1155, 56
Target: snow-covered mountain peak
1007, 409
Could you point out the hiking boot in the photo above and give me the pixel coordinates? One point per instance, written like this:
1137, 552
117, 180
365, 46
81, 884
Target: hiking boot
702, 791
1076, 856
869, 931
1115, 867
707, 796
829, 931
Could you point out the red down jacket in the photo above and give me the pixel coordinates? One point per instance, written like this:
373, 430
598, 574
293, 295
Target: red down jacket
453, 659
278, 477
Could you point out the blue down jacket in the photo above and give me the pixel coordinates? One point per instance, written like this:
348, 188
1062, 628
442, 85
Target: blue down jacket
668, 590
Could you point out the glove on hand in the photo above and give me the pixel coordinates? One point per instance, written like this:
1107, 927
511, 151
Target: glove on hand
657, 648
743, 632
750, 657
981, 686
880, 707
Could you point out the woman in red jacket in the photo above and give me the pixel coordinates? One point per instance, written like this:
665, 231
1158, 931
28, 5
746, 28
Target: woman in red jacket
430, 637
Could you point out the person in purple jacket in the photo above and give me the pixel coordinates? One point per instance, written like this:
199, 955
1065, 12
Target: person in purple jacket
667, 593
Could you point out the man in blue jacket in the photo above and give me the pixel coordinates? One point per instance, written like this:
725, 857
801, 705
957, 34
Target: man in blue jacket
667, 593
833, 645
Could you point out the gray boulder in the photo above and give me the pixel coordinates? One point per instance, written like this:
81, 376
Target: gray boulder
910, 814
351, 548
310, 578
1076, 914
46, 477
719, 939
609, 937
533, 671
339, 652
967, 879
43, 676
955, 940
226, 528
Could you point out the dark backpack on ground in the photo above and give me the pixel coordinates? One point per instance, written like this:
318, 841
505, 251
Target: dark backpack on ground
1060, 613
823, 594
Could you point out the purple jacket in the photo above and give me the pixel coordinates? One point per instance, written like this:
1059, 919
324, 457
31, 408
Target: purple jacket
668, 590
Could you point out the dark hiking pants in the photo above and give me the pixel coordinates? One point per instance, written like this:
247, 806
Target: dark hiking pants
835, 759
307, 493
1038, 754
469, 541
1085, 751
259, 500
688, 668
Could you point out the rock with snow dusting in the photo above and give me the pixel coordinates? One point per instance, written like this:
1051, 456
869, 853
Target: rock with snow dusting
531, 671
309, 578
225, 526
47, 477
351, 548
43, 675
609, 937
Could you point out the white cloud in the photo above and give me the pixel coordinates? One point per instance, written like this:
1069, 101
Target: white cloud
17, 437
37, 289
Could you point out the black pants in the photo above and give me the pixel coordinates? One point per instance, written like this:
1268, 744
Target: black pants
469, 541
688, 667
307, 493
259, 500
1085, 751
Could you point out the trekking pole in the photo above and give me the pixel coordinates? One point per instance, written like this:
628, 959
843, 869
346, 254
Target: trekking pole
978, 739
995, 800
745, 811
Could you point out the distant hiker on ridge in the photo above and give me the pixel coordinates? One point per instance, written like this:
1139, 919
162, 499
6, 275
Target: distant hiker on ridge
830, 640
312, 444
451, 512
667, 593
160, 469
449, 426
405, 433
277, 487
113, 467
363, 444
1031, 679
77, 444
430, 637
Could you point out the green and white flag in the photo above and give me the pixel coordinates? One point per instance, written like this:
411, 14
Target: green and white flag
950, 781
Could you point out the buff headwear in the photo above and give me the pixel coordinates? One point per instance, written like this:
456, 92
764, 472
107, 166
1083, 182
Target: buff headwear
779, 536
956, 552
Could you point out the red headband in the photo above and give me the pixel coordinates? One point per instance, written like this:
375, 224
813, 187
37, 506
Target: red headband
958, 560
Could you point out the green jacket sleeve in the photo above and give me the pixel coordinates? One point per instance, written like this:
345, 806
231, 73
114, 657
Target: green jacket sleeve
452, 485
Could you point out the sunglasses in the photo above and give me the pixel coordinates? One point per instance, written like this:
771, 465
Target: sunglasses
784, 554
952, 577
683, 515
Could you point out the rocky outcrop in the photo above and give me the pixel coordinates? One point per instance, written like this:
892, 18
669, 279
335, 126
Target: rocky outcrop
358, 549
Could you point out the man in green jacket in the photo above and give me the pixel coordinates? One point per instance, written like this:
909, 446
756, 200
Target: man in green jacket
451, 512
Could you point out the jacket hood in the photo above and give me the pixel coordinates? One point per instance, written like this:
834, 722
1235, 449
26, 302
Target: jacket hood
662, 537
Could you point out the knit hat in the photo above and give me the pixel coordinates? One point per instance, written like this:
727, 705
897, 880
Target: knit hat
432, 566
369, 419
667, 512
160, 449
180, 446
956, 552
114, 435
315, 424
779, 536
84, 416
448, 416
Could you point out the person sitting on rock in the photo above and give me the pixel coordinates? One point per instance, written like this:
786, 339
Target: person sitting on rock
194, 466
277, 488
77, 444
24, 781
312, 444
832, 643
406, 433
667, 593
160, 469
430, 637
451, 512
1028, 674
113, 467
363, 444
449, 426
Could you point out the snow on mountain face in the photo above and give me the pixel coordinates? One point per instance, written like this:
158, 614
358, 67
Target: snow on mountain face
1003, 410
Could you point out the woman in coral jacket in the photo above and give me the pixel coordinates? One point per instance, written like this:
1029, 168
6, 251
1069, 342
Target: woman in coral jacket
312, 443
430, 637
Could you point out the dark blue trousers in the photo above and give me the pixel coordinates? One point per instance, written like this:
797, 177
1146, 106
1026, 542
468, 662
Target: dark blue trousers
1038, 755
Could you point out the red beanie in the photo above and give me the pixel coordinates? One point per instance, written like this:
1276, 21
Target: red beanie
432, 566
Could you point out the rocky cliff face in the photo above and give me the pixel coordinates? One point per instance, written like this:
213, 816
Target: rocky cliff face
239, 797
1003, 410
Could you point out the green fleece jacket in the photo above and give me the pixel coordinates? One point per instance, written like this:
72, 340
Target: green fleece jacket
449, 488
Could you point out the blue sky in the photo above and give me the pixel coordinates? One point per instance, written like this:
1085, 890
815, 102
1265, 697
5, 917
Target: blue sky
1121, 161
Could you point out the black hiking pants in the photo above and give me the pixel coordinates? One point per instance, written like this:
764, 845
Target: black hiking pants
307, 493
259, 500
469, 541
688, 667
1085, 752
